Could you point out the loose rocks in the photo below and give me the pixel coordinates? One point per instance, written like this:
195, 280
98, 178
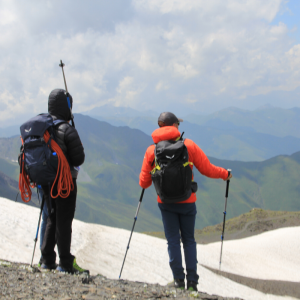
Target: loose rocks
20, 281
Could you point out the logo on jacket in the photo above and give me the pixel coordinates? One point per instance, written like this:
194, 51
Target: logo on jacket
170, 157
27, 130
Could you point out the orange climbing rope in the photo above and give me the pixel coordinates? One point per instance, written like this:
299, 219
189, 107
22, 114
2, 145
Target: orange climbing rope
65, 181
63, 176
24, 182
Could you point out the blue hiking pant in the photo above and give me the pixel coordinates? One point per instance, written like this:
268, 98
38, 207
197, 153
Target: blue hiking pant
179, 223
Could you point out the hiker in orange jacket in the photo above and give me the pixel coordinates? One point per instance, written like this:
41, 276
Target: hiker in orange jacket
179, 218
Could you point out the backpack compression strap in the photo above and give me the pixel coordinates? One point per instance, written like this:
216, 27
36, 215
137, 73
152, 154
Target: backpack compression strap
157, 167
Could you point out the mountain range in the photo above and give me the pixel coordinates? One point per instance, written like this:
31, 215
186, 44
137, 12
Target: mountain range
108, 190
231, 133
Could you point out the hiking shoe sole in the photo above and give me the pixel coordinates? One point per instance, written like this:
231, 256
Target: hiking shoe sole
48, 267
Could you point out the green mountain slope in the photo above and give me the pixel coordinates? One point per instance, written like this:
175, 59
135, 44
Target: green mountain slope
108, 190
239, 144
9, 188
272, 184
10, 148
9, 168
233, 134
270, 120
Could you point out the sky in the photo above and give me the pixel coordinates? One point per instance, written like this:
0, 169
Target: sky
163, 55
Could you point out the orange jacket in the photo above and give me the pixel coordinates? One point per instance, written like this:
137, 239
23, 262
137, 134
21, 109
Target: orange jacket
196, 156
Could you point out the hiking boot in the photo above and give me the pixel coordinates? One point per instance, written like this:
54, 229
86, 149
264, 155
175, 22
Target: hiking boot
64, 270
74, 270
192, 286
178, 283
78, 269
48, 266
40, 262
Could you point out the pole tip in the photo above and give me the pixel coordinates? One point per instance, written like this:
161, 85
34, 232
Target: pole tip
61, 64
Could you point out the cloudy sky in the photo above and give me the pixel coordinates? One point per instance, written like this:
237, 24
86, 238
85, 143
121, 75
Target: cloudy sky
189, 56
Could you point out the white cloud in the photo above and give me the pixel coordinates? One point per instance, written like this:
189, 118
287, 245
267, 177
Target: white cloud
161, 85
6, 17
217, 8
152, 52
127, 93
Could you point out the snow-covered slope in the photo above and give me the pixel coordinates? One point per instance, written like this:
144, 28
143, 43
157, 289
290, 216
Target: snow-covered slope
101, 249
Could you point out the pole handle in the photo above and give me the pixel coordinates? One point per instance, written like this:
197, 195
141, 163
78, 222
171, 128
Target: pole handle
68, 99
142, 194
227, 183
62, 68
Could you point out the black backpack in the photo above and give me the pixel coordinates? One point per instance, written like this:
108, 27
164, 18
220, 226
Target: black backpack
40, 162
172, 175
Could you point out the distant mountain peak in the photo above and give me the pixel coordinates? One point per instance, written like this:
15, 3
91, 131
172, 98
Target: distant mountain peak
265, 106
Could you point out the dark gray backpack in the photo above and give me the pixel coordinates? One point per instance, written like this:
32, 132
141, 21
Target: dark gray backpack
172, 175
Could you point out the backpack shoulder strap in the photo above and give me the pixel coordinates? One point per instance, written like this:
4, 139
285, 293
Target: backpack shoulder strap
154, 156
58, 121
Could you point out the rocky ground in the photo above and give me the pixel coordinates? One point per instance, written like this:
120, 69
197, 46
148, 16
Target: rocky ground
20, 281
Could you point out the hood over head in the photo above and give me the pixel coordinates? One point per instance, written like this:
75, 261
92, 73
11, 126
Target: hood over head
165, 133
58, 104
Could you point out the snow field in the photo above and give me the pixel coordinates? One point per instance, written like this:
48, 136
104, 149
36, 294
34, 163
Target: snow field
101, 249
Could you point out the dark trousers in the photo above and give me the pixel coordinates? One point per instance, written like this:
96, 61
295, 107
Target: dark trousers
59, 228
179, 222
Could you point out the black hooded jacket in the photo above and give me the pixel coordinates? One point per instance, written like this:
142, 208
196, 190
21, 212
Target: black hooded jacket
66, 135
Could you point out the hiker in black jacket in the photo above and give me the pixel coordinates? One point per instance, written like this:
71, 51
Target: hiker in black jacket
62, 210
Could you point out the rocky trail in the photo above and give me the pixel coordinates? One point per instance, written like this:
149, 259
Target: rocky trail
20, 281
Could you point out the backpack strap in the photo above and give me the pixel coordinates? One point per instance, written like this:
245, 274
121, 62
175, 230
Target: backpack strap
153, 162
58, 121
154, 156
157, 167
180, 138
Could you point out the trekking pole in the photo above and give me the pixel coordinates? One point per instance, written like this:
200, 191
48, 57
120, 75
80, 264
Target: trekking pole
223, 230
37, 231
68, 97
135, 218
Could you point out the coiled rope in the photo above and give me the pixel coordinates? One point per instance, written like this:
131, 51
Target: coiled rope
24, 182
63, 176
